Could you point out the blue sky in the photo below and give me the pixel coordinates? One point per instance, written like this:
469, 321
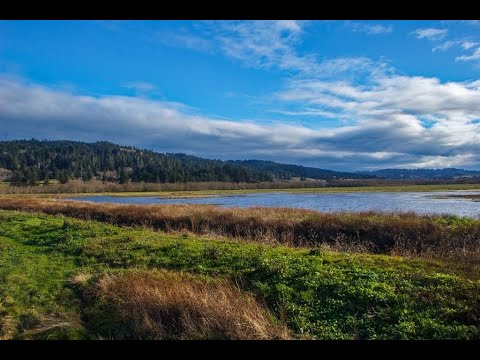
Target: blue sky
346, 95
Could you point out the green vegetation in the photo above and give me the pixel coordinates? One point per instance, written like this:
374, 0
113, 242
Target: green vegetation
447, 237
32, 161
49, 266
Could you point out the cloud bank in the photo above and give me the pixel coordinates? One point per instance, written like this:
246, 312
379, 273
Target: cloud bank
397, 121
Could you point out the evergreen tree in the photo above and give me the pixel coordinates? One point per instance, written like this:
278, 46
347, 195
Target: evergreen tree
64, 160
123, 176
63, 177
33, 178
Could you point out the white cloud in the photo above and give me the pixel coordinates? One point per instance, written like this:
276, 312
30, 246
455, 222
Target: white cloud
267, 44
272, 44
430, 33
469, 44
391, 113
464, 44
474, 56
263, 44
290, 25
445, 46
370, 29
31, 110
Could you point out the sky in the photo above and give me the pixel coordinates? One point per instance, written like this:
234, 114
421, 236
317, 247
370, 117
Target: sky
342, 95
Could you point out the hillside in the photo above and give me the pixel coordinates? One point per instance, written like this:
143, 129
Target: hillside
288, 171
31, 160
446, 173
26, 162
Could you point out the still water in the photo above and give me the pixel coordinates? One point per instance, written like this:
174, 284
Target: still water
419, 202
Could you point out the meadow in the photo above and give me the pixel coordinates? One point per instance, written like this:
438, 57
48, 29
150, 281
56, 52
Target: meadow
65, 278
81, 270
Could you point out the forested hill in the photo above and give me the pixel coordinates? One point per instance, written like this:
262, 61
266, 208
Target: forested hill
446, 173
287, 171
29, 161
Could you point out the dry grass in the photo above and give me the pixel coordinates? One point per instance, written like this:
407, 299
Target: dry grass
165, 305
7, 327
96, 186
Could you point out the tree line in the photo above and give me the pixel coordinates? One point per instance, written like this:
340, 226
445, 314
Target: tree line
34, 161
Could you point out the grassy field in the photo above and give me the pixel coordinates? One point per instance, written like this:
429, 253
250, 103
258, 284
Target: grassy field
74, 279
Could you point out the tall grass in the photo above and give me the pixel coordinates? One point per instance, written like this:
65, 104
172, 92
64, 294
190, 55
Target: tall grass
405, 234
165, 305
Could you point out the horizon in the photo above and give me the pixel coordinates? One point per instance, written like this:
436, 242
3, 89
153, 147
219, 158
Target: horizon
338, 95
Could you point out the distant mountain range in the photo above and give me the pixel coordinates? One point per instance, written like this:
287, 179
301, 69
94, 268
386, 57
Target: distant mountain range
446, 173
288, 171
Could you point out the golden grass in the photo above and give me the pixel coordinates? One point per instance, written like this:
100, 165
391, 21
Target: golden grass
164, 305
95, 186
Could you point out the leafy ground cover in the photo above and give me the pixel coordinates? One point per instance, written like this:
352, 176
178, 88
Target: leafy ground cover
49, 265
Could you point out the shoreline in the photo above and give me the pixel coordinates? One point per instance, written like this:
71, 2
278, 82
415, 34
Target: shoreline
216, 193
